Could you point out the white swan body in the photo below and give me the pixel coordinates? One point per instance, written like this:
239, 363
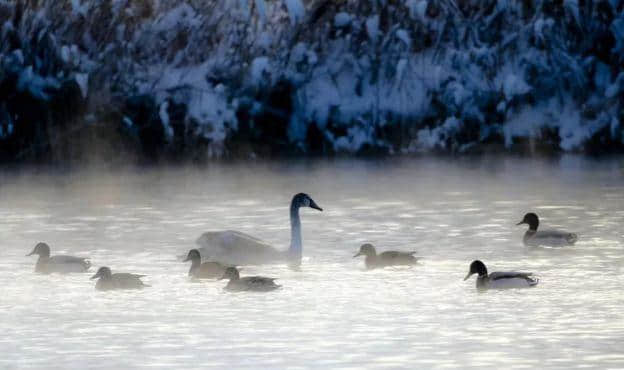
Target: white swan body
500, 280
236, 248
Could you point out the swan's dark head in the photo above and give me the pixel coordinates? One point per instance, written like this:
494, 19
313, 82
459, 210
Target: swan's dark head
193, 255
304, 200
230, 273
102, 272
476, 267
366, 250
530, 219
42, 249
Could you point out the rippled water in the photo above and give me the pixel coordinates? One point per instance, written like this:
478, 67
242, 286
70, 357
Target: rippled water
332, 313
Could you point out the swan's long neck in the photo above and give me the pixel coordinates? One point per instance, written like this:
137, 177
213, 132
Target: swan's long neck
295, 250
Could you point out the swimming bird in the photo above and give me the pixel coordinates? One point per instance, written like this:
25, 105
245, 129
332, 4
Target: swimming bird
388, 258
206, 270
60, 264
121, 280
248, 283
236, 248
500, 280
551, 238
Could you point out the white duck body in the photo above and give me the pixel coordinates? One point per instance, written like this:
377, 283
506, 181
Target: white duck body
236, 248
500, 280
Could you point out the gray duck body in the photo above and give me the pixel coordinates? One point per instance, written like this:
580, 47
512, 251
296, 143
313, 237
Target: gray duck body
385, 259
61, 264
550, 238
205, 270
500, 280
248, 283
117, 281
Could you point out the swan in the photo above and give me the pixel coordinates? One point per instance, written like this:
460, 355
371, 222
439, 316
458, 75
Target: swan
500, 280
388, 258
206, 270
236, 248
248, 283
61, 264
550, 238
121, 280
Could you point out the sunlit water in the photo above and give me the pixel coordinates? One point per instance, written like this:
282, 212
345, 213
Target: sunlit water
332, 313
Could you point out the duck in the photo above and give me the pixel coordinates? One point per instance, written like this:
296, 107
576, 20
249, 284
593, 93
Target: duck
550, 238
236, 248
248, 283
500, 280
384, 259
206, 270
121, 280
47, 264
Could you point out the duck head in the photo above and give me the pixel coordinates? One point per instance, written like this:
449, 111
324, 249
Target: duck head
230, 273
530, 219
476, 267
102, 272
367, 250
193, 255
42, 249
304, 200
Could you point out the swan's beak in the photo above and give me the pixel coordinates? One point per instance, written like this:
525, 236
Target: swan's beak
97, 275
357, 254
469, 275
521, 222
315, 206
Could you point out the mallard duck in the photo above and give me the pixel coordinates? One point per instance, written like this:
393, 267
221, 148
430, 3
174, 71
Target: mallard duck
388, 258
121, 280
248, 283
236, 248
60, 264
206, 270
500, 280
551, 238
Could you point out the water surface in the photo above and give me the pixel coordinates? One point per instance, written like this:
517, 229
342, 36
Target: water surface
332, 313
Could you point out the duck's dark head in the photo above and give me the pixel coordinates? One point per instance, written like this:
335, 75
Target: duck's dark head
102, 272
42, 249
193, 255
476, 267
304, 200
366, 250
531, 220
230, 273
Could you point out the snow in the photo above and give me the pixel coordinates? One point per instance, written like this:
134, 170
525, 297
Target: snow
296, 10
342, 19
82, 79
372, 27
259, 70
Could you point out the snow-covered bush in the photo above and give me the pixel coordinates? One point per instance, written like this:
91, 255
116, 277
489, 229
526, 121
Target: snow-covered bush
197, 79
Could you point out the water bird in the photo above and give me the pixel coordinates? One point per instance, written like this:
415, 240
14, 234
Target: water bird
248, 283
388, 258
236, 248
47, 264
121, 280
500, 280
550, 238
206, 270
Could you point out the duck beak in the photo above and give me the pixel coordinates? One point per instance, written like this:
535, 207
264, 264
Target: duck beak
315, 206
186, 260
469, 275
357, 254
521, 223
30, 254
97, 275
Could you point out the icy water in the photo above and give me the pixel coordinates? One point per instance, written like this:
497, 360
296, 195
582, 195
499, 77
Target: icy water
332, 313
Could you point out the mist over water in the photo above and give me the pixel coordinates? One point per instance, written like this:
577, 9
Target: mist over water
332, 313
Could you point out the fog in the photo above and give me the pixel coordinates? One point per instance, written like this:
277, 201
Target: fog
332, 312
